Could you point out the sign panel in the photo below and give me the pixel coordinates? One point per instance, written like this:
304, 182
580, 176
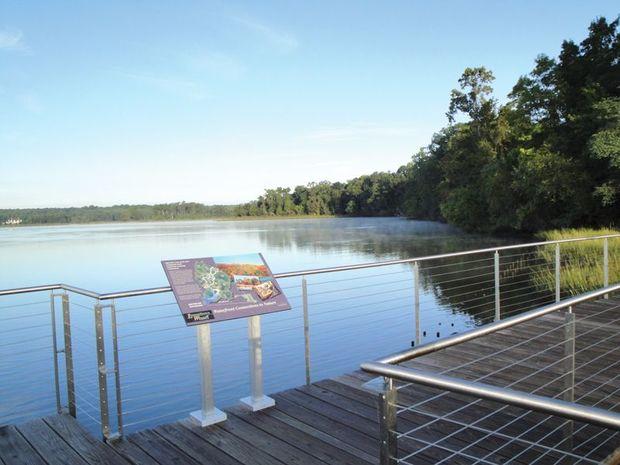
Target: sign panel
215, 289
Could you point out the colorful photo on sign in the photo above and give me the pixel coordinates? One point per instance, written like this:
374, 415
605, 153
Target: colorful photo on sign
243, 272
221, 288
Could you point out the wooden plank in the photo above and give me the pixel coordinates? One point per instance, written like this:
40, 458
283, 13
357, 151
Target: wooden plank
15, 450
299, 439
338, 430
91, 450
323, 436
159, 449
352, 420
361, 419
280, 450
48, 444
193, 446
232, 445
133, 453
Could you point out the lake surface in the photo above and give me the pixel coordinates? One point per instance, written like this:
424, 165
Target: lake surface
354, 316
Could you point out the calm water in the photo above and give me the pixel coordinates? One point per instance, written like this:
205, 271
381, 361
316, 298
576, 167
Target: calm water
109, 257
354, 316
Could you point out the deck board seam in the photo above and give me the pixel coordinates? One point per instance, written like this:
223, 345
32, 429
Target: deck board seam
181, 425
240, 417
31, 446
178, 447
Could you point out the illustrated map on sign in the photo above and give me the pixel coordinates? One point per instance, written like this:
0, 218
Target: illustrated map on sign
214, 289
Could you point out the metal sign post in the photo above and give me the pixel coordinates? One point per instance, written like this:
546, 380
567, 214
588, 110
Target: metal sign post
208, 414
213, 289
258, 400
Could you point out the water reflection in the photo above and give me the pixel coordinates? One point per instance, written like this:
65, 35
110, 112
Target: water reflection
354, 316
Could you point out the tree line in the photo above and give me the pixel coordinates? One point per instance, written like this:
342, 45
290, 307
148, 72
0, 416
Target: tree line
93, 214
377, 194
547, 158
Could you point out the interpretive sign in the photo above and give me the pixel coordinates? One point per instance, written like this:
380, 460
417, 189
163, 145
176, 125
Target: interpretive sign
215, 289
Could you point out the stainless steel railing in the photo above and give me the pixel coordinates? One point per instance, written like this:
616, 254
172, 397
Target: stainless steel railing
119, 355
290, 274
392, 371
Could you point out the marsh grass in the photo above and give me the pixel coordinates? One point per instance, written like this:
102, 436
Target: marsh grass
581, 262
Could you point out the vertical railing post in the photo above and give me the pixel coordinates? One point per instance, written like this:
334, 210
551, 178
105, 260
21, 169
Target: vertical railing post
557, 273
304, 294
66, 323
208, 414
102, 373
606, 264
498, 314
117, 374
569, 371
257, 400
416, 302
55, 349
388, 448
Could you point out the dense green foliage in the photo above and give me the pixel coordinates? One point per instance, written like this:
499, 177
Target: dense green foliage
547, 158
91, 214
371, 195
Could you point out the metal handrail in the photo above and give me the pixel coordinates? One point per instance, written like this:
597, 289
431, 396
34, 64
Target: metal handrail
386, 367
291, 274
112, 366
489, 328
543, 404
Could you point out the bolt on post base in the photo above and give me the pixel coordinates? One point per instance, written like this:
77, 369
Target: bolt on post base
208, 418
258, 404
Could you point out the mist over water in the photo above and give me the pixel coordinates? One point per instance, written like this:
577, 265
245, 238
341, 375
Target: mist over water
118, 256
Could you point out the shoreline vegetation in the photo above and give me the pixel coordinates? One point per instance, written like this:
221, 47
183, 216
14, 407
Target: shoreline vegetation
168, 220
581, 268
549, 158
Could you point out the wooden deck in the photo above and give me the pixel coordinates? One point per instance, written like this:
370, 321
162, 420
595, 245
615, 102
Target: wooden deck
335, 421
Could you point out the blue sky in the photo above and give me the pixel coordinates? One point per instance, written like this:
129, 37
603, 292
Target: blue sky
152, 101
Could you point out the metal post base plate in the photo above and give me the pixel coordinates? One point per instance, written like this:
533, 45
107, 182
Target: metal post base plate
374, 385
112, 438
258, 404
210, 418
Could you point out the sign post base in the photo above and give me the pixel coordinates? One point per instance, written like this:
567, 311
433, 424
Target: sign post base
257, 404
208, 418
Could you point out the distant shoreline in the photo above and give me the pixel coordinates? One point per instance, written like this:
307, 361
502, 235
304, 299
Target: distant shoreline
218, 218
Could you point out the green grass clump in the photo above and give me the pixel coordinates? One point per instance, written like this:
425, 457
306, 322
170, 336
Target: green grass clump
581, 262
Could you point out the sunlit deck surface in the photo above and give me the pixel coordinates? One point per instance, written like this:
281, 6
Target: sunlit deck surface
335, 421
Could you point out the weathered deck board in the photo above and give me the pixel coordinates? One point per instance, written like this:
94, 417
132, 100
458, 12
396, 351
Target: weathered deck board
15, 450
334, 421
51, 447
159, 449
90, 449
